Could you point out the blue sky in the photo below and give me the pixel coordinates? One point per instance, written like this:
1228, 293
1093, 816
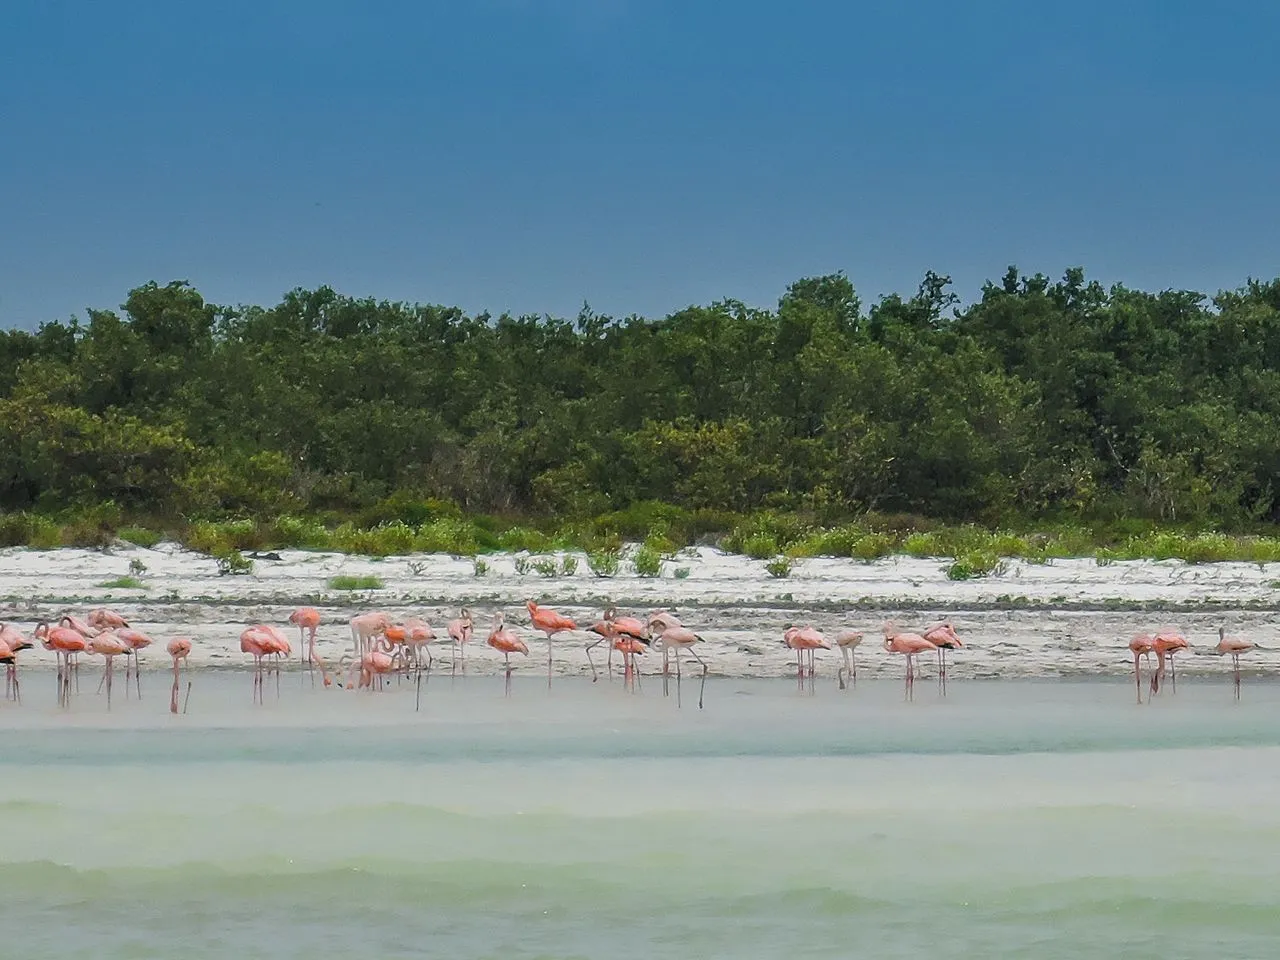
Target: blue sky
528, 155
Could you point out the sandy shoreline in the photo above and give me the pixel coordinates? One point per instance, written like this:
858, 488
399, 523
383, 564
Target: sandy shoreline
1063, 618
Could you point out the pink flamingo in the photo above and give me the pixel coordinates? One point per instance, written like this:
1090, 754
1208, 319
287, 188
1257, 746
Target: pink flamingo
679, 638
805, 641
1233, 646
418, 636
505, 641
909, 645
631, 627
307, 620
1140, 646
66, 643
460, 630
258, 643
104, 619
178, 648
364, 628
108, 646
12, 642
73, 622
549, 622
605, 631
136, 641
943, 636
1167, 643
847, 641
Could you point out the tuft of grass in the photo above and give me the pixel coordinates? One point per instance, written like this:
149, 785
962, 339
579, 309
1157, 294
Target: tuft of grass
233, 563
647, 562
603, 563
975, 564
123, 583
346, 582
568, 566
479, 567
522, 564
545, 566
779, 567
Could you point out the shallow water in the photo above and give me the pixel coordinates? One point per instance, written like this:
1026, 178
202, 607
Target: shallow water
1010, 819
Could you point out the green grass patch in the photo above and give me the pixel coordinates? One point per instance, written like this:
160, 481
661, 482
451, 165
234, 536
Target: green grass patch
344, 582
123, 583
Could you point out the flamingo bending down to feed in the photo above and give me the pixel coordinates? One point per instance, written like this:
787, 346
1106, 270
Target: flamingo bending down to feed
259, 644
847, 641
460, 630
1233, 646
178, 648
805, 641
503, 639
136, 641
943, 636
549, 622
1140, 646
307, 620
909, 645
679, 638
1166, 644
108, 646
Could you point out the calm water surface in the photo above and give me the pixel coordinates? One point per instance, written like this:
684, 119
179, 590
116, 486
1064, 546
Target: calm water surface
1012, 819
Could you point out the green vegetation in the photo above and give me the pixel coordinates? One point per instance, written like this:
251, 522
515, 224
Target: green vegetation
1045, 419
345, 582
779, 567
124, 583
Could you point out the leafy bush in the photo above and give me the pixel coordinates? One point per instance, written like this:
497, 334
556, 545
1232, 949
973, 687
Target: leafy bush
647, 562
779, 567
975, 564
604, 563
233, 563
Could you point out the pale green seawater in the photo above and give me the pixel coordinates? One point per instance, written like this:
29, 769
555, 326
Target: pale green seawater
1012, 819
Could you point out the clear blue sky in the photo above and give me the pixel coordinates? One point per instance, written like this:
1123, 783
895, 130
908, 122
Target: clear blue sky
642, 155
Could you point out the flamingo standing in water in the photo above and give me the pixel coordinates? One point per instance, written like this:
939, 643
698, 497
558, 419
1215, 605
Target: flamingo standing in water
679, 638
504, 640
72, 622
606, 632
943, 636
549, 622
847, 641
418, 636
178, 648
805, 641
909, 645
108, 646
1167, 643
1140, 646
460, 630
12, 642
136, 641
1233, 646
66, 643
364, 628
258, 643
307, 620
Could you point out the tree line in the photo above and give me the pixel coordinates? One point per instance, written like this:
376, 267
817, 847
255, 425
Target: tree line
1040, 400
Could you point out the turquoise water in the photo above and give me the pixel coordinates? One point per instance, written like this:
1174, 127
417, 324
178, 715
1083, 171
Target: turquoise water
1012, 819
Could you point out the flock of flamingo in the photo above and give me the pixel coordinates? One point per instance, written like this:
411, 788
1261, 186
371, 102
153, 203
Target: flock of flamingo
381, 648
